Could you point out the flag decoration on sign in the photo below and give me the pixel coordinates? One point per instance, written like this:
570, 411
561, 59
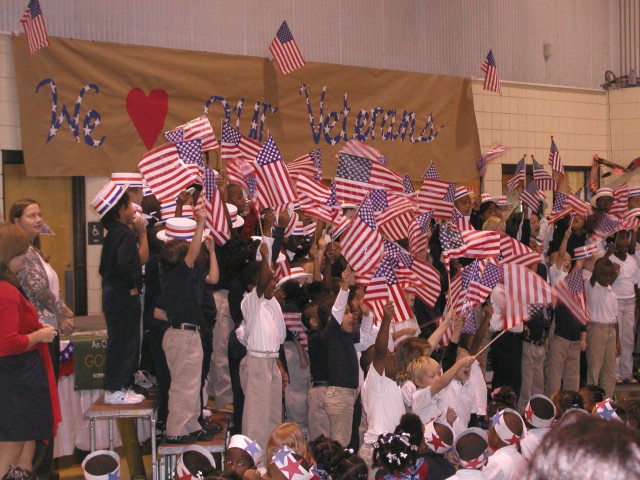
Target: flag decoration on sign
361, 244
236, 145
620, 200
293, 321
437, 196
285, 51
531, 196
490, 70
198, 128
554, 157
570, 292
385, 286
420, 233
359, 149
356, 176
523, 288
513, 251
165, 171
307, 164
495, 150
274, 184
518, 176
216, 209
34, 28
542, 177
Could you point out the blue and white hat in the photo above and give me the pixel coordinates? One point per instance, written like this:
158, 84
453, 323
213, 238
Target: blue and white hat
107, 197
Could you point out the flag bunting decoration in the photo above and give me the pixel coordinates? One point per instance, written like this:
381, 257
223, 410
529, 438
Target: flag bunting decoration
198, 128
273, 181
542, 177
34, 28
490, 70
285, 51
518, 176
554, 157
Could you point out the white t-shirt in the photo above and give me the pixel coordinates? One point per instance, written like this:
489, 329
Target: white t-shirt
428, 407
529, 444
382, 402
505, 464
461, 398
624, 286
602, 302
265, 329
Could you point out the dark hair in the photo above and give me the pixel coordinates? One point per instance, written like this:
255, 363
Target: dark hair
113, 214
596, 394
394, 453
222, 475
172, 252
566, 399
16, 212
307, 314
19, 473
196, 462
471, 446
542, 407
151, 205
349, 466
587, 448
325, 451
324, 309
501, 398
410, 423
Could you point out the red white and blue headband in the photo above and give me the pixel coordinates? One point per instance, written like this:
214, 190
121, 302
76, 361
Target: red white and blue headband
107, 197
533, 419
475, 463
291, 468
585, 252
502, 429
434, 441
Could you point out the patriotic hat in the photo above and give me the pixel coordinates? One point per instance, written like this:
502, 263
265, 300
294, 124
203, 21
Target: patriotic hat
183, 473
460, 192
98, 460
531, 417
179, 228
168, 210
433, 440
248, 445
297, 273
133, 180
503, 431
501, 201
606, 411
634, 191
474, 463
601, 192
290, 467
486, 197
107, 197
236, 220
146, 191
585, 252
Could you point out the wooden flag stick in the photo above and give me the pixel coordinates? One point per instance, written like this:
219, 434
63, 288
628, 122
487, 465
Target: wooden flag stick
488, 344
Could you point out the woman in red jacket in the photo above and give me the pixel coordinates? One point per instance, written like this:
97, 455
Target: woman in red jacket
28, 394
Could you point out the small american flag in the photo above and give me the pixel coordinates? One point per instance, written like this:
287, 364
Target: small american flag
236, 145
567, 203
431, 173
283, 269
359, 149
34, 29
285, 51
356, 176
457, 298
437, 196
554, 157
460, 221
215, 207
422, 277
293, 321
523, 288
305, 165
518, 176
418, 233
408, 185
495, 150
542, 177
531, 196
491, 80
241, 172
316, 191
385, 286
480, 289
273, 181
198, 128
605, 225
361, 243
396, 213
570, 292
469, 243
620, 200
513, 251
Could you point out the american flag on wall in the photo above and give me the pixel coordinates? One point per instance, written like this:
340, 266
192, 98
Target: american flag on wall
356, 176
361, 243
285, 51
236, 145
274, 184
554, 157
198, 128
570, 292
542, 177
490, 69
518, 176
523, 288
34, 29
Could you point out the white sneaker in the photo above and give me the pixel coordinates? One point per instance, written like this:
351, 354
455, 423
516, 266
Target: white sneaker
144, 379
122, 397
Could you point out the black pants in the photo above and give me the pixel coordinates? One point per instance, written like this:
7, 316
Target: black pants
506, 359
153, 336
207, 350
122, 314
236, 352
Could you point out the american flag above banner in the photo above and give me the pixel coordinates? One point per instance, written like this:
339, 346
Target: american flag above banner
490, 69
34, 29
198, 128
285, 51
272, 177
554, 157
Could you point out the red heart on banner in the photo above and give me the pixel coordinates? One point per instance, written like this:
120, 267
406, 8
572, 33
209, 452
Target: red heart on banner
148, 112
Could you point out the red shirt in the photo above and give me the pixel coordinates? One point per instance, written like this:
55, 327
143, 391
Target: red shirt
19, 318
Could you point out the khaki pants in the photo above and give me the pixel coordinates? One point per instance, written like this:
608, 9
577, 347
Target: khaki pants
219, 379
318, 419
601, 356
183, 350
564, 366
262, 385
295, 394
338, 403
627, 325
532, 372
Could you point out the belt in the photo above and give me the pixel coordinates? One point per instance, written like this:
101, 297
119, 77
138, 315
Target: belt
537, 343
261, 354
319, 384
186, 326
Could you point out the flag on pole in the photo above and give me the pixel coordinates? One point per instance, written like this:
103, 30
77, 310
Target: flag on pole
567, 203
420, 233
285, 51
307, 164
293, 321
542, 177
490, 69
518, 176
468, 243
531, 196
34, 29
513, 251
495, 150
385, 286
570, 292
240, 172
408, 185
605, 225
198, 128
431, 173
214, 205
480, 289
420, 276
620, 200
395, 213
359, 149
236, 145
554, 157
356, 176
361, 243
523, 288
437, 196
274, 184
459, 221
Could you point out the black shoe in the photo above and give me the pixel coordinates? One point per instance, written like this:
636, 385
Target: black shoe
203, 435
182, 439
211, 427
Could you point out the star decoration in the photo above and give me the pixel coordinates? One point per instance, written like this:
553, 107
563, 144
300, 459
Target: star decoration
436, 441
281, 454
513, 440
292, 468
528, 413
251, 447
606, 411
476, 462
495, 420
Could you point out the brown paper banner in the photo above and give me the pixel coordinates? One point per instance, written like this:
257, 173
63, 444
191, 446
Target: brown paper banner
91, 108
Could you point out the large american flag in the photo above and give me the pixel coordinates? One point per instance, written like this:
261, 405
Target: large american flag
215, 206
198, 128
361, 243
570, 292
523, 288
419, 233
554, 157
542, 177
468, 243
307, 164
34, 29
531, 196
620, 200
491, 80
518, 176
513, 251
285, 51
385, 286
359, 149
356, 176
437, 196
164, 170
273, 181
236, 145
